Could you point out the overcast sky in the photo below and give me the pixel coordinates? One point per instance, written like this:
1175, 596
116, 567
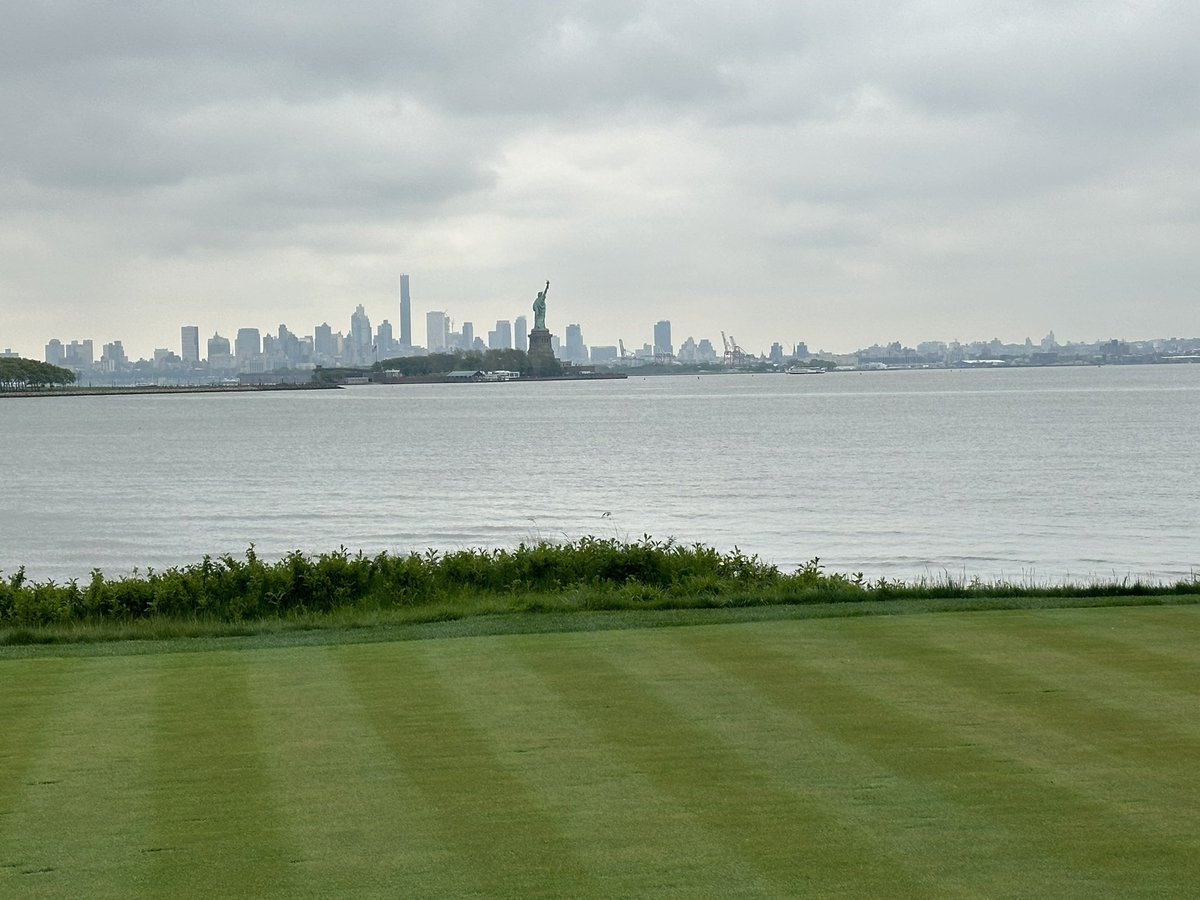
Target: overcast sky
832, 172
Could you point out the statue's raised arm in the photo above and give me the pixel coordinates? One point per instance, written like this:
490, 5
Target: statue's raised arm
539, 308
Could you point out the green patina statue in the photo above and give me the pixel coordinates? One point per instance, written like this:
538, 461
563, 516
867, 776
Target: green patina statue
539, 309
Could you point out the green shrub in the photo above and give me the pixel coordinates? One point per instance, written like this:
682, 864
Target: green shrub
591, 573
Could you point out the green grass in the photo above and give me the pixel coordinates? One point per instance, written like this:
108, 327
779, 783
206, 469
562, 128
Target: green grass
1019, 753
554, 615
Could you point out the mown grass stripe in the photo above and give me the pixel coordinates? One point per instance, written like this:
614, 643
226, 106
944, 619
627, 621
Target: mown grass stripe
1066, 841
1054, 714
937, 754
1108, 645
356, 824
756, 813
68, 804
1089, 688
920, 784
79, 822
1149, 629
864, 802
216, 818
633, 838
1174, 672
498, 832
29, 696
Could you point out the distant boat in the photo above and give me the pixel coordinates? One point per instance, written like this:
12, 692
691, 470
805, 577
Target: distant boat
805, 370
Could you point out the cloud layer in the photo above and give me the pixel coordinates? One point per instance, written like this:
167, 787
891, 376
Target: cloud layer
836, 173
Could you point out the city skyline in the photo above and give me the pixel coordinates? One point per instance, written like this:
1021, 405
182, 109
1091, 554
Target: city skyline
639, 334
782, 172
367, 340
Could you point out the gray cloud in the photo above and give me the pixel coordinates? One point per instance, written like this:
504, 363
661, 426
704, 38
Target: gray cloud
874, 162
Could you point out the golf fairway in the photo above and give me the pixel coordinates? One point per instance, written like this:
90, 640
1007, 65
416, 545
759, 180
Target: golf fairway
988, 754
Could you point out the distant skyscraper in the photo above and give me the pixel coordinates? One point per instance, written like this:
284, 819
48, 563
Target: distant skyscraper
247, 344
56, 355
384, 342
219, 356
189, 351
501, 338
112, 357
323, 344
405, 314
662, 339
360, 336
437, 327
574, 349
80, 353
289, 346
521, 334
468, 335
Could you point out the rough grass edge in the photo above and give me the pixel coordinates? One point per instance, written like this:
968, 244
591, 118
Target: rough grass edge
354, 626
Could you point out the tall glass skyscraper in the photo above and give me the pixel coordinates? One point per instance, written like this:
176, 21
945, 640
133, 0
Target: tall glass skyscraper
662, 339
405, 313
360, 336
437, 327
189, 352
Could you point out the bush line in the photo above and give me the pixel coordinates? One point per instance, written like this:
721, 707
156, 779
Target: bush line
591, 573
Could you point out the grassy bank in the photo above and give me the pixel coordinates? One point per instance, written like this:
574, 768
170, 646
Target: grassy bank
1040, 753
247, 595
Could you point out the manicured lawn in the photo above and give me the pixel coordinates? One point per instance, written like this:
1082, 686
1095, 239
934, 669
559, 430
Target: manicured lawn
1037, 753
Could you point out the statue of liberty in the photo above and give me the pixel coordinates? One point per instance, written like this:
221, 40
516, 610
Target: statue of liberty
539, 309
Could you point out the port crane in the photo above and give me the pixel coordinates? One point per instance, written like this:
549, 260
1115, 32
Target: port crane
734, 355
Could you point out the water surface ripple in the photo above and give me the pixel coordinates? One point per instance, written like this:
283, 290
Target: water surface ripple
1024, 475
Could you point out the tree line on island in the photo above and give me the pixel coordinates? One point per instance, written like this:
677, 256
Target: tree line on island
18, 374
435, 364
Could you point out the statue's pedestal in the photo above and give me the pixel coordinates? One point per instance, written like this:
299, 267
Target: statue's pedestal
541, 354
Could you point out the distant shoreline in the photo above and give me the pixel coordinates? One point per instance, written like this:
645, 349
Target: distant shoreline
443, 379
169, 389
121, 391
648, 371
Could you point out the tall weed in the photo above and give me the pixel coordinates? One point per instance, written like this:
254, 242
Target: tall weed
590, 573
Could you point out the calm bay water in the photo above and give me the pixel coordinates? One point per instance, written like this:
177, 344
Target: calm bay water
1026, 474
